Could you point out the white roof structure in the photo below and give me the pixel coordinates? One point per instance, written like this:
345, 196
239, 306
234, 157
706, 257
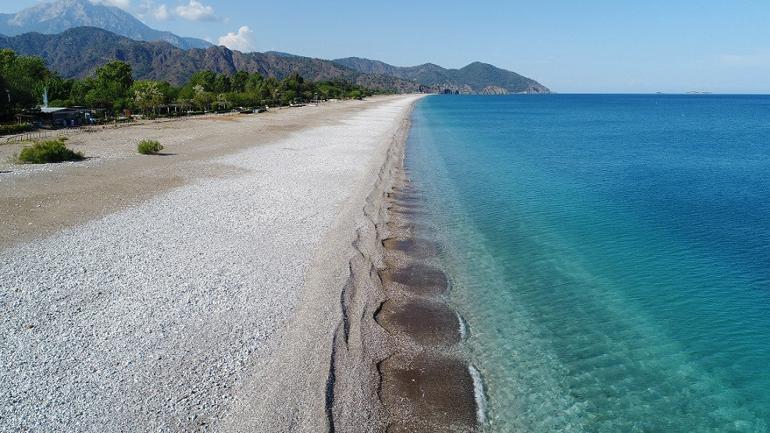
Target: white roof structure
49, 110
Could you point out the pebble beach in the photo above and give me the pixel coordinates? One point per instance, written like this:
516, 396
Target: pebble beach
205, 295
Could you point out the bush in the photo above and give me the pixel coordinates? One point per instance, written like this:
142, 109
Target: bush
15, 129
48, 151
149, 147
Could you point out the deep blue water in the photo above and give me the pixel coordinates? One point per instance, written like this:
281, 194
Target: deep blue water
610, 253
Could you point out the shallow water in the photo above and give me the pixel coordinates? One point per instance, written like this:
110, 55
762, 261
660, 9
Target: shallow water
610, 255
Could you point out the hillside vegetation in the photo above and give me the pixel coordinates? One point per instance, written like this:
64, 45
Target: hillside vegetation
76, 53
112, 88
474, 78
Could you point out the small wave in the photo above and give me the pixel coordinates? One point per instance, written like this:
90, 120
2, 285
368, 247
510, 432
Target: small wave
478, 395
463, 326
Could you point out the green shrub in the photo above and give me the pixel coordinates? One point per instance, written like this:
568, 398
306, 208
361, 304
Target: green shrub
15, 129
149, 147
47, 151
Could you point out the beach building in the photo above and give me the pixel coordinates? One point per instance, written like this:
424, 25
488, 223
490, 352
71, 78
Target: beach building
57, 117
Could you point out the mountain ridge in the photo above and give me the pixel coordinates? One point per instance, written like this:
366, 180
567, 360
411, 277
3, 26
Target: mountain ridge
62, 15
476, 77
76, 53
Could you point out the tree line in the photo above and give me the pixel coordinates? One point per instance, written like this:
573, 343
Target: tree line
112, 89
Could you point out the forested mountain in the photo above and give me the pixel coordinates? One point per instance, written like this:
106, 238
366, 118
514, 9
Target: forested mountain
475, 78
76, 53
61, 15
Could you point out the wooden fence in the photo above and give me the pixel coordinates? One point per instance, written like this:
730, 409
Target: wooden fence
30, 136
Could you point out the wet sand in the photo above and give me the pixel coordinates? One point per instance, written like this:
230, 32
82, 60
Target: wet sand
416, 247
427, 394
402, 335
418, 278
427, 384
426, 322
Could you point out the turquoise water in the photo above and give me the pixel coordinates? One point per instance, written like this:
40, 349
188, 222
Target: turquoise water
611, 255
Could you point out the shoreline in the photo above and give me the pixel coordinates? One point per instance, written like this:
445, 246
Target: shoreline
184, 309
340, 319
404, 345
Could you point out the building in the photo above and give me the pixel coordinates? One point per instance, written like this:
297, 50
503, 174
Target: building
57, 117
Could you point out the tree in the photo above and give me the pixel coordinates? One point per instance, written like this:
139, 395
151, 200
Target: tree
254, 83
23, 79
170, 92
80, 89
222, 101
221, 84
110, 86
201, 97
107, 95
59, 91
204, 79
116, 72
239, 81
147, 95
272, 89
5, 104
293, 88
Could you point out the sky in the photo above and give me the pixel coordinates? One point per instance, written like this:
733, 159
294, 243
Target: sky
588, 46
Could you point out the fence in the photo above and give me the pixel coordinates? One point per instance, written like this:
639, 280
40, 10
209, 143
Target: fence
45, 133
29, 136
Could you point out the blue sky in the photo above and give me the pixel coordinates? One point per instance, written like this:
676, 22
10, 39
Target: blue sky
570, 46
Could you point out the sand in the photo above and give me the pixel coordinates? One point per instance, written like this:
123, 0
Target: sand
226, 286
38, 200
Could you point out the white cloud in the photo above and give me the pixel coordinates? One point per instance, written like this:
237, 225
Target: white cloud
196, 11
161, 13
123, 4
240, 41
193, 10
148, 9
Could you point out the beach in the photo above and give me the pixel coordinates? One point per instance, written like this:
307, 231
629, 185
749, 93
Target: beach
227, 285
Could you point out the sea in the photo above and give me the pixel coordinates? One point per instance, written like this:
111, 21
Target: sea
609, 254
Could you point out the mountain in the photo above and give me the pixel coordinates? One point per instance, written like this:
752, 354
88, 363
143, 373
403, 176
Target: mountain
475, 78
77, 52
61, 15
